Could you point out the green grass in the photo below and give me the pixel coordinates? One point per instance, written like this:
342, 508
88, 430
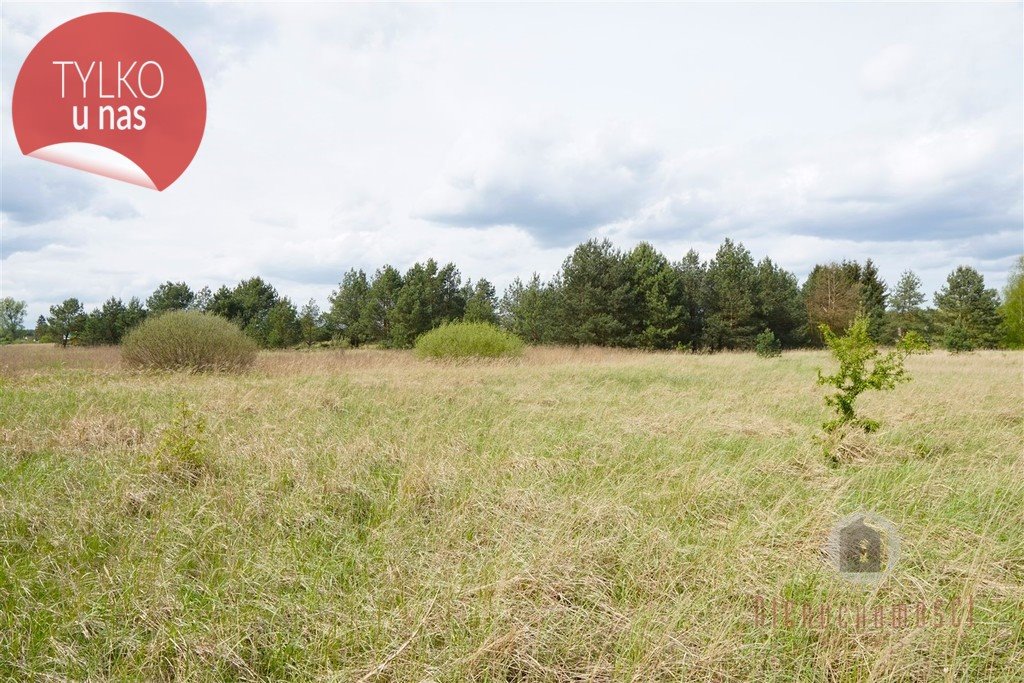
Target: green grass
578, 515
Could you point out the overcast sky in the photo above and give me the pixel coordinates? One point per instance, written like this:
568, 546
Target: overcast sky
498, 137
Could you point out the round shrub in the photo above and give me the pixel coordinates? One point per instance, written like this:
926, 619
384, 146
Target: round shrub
468, 340
188, 340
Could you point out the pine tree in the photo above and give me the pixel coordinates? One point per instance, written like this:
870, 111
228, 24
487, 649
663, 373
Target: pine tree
376, 313
347, 305
66, 320
481, 302
170, 296
873, 295
691, 273
969, 309
780, 305
529, 310
905, 303
311, 323
658, 322
730, 299
598, 301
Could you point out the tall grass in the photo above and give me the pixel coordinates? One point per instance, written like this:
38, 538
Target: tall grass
581, 515
188, 340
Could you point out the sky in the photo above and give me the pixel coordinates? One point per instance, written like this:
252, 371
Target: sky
500, 136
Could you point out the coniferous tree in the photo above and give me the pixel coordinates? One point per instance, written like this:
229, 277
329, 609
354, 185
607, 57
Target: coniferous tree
598, 300
905, 304
968, 311
780, 305
248, 305
377, 310
280, 329
529, 310
66, 320
481, 302
873, 296
170, 296
730, 299
348, 303
42, 330
312, 326
660, 318
430, 296
691, 273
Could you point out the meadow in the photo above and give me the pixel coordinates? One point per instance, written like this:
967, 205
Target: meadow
572, 515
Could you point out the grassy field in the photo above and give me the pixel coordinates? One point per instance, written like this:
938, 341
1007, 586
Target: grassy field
574, 515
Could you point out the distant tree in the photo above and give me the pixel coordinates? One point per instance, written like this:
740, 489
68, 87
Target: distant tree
832, 297
281, 327
109, 324
170, 296
598, 301
481, 302
968, 309
691, 273
659, 320
730, 299
66, 320
248, 305
429, 297
905, 305
102, 326
378, 309
12, 316
202, 300
873, 296
348, 304
312, 326
1012, 308
529, 310
42, 331
780, 304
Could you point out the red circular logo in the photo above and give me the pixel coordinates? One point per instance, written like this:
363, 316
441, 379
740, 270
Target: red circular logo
112, 94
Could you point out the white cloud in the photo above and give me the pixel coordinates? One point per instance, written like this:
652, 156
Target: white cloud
889, 72
496, 136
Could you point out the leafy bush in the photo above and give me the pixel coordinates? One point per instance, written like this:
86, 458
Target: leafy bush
188, 340
468, 340
767, 345
915, 341
855, 352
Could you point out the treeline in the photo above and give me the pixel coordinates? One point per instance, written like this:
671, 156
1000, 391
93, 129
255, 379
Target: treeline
602, 295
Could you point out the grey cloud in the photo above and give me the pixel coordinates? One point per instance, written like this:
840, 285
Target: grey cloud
557, 188
35, 191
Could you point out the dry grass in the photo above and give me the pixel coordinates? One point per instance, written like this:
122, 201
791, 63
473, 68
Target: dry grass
576, 514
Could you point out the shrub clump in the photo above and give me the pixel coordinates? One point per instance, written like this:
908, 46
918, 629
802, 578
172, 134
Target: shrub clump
767, 345
468, 340
188, 340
